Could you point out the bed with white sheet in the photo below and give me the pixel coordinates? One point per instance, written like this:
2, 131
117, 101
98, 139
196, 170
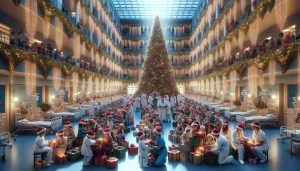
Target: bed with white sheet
269, 119
233, 115
289, 132
222, 109
66, 115
23, 124
213, 107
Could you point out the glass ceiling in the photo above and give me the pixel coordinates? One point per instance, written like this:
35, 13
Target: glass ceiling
148, 9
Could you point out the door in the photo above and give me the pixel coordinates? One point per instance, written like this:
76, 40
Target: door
241, 96
292, 92
2, 98
39, 91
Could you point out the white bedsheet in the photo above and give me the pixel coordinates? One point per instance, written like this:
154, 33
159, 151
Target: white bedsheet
266, 118
218, 109
35, 123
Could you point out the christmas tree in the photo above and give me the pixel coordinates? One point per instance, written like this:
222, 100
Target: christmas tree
157, 75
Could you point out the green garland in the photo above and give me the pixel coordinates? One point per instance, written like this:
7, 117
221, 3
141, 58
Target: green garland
15, 56
281, 55
261, 10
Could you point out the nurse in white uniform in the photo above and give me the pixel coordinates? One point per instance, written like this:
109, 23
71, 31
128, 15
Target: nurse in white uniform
222, 148
236, 141
259, 142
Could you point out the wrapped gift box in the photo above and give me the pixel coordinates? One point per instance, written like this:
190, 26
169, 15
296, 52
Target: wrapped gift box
137, 126
211, 159
96, 150
184, 147
132, 149
112, 163
103, 160
173, 147
134, 133
172, 132
124, 143
53, 144
73, 155
40, 164
119, 152
98, 161
200, 134
197, 158
133, 128
126, 130
174, 155
61, 159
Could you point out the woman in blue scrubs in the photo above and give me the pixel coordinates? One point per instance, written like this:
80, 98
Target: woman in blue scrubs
160, 149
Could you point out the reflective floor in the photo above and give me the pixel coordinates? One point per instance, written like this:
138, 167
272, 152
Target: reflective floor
20, 158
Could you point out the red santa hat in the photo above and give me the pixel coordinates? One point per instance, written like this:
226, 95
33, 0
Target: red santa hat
94, 119
91, 134
140, 134
40, 130
82, 121
215, 132
60, 133
188, 127
195, 123
240, 126
157, 130
67, 123
225, 123
151, 120
94, 97
156, 114
110, 115
107, 129
255, 124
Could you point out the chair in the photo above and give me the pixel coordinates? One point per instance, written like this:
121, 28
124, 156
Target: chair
38, 156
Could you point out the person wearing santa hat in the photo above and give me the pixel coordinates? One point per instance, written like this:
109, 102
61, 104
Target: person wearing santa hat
260, 143
69, 134
42, 146
86, 149
147, 132
195, 127
81, 108
100, 133
222, 148
237, 141
94, 124
62, 142
81, 132
185, 141
160, 148
108, 141
226, 131
143, 150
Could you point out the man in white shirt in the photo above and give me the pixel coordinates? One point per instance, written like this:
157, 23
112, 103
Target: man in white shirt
222, 148
162, 109
259, 144
93, 106
42, 146
143, 150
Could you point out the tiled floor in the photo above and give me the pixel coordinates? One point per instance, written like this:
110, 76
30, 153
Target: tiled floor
19, 157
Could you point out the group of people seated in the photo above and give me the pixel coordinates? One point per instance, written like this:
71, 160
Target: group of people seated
190, 119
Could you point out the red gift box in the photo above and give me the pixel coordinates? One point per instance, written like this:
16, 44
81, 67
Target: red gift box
132, 149
98, 161
112, 163
61, 159
103, 160
173, 147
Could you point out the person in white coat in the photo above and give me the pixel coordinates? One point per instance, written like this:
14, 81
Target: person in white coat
162, 109
150, 100
143, 150
226, 131
93, 106
259, 142
172, 103
144, 101
237, 139
222, 148
42, 146
86, 149
81, 108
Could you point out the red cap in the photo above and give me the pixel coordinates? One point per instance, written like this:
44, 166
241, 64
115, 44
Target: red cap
40, 130
255, 124
82, 121
157, 130
140, 134
107, 129
60, 133
225, 123
240, 126
67, 123
91, 134
216, 132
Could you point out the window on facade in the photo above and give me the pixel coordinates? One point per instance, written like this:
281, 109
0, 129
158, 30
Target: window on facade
292, 92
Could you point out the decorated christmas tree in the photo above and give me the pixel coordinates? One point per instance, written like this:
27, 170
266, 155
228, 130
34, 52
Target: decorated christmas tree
157, 75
